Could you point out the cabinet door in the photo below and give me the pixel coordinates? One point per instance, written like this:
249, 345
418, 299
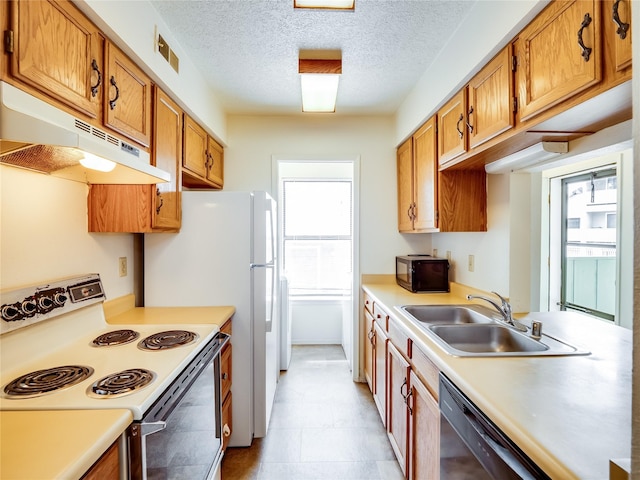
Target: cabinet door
424, 433
167, 155
368, 349
195, 148
620, 17
425, 168
452, 137
59, 52
226, 369
490, 109
404, 169
127, 103
397, 412
107, 467
462, 201
559, 55
227, 420
380, 370
215, 162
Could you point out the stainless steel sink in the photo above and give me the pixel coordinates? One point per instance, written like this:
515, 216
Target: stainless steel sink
449, 314
475, 331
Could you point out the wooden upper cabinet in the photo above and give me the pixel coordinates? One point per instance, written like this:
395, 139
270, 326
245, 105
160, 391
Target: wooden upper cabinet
404, 172
203, 158
490, 109
167, 155
559, 55
59, 52
452, 141
425, 178
616, 18
128, 97
145, 208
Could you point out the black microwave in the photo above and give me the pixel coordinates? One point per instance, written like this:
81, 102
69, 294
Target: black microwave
422, 273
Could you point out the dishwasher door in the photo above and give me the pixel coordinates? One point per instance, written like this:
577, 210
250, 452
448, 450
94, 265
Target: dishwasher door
472, 447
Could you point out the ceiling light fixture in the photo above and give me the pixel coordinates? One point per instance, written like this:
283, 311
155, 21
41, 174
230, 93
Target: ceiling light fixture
319, 78
326, 4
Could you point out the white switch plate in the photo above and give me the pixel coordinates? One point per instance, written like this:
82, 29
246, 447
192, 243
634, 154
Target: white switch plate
435, 252
471, 263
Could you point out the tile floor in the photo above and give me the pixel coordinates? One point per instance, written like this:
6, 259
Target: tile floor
323, 426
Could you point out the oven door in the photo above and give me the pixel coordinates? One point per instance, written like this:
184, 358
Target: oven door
181, 435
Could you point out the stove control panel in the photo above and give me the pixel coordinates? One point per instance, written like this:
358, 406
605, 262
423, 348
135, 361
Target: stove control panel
26, 305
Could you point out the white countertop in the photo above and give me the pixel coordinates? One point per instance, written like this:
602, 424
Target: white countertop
569, 414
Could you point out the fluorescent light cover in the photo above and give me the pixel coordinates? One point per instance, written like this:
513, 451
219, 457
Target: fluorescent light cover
319, 92
538, 153
95, 162
331, 4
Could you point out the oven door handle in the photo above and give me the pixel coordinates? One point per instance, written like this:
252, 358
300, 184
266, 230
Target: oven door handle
152, 427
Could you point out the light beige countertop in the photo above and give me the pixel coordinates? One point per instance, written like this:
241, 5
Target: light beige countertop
569, 414
61, 444
122, 311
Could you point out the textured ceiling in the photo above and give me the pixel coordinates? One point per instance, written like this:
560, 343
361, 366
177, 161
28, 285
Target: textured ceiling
248, 49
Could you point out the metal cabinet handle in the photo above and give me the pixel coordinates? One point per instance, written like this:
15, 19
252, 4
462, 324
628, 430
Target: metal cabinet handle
112, 103
404, 384
407, 400
94, 88
409, 211
225, 375
586, 51
623, 27
469, 113
460, 134
159, 203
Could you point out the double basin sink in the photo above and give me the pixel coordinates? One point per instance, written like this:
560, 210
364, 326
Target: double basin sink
477, 331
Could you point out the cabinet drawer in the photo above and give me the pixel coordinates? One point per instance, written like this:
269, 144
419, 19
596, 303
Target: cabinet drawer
381, 317
367, 301
399, 338
425, 369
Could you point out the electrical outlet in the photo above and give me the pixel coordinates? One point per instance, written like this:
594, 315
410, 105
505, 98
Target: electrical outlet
122, 266
449, 255
471, 263
435, 252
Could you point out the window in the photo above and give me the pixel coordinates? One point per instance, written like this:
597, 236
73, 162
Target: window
317, 235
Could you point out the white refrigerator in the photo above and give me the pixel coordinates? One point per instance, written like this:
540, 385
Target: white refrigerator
224, 254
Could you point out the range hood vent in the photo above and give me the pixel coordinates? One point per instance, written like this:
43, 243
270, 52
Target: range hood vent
40, 137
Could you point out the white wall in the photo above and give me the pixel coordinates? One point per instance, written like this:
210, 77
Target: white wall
254, 139
43, 234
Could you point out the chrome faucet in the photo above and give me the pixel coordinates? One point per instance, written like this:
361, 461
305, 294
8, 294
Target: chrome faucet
504, 309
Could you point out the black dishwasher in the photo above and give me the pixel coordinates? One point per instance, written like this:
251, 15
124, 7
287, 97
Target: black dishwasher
472, 447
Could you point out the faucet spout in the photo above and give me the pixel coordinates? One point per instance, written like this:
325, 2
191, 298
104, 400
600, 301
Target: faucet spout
504, 308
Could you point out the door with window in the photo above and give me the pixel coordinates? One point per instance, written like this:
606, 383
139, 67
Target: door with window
589, 235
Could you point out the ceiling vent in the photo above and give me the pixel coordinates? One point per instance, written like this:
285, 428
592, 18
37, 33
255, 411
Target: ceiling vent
168, 54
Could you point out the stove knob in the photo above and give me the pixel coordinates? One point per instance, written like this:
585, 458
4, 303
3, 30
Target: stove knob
28, 307
59, 299
45, 303
9, 313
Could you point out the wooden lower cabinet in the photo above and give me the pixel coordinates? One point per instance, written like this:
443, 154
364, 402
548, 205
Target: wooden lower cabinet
226, 369
380, 369
107, 467
397, 412
368, 340
424, 432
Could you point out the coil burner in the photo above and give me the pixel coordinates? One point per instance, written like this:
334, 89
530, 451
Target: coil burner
42, 382
117, 337
168, 339
121, 383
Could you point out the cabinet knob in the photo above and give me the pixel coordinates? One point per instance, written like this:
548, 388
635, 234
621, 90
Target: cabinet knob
226, 431
225, 375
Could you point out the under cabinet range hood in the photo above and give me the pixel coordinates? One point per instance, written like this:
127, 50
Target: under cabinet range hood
40, 137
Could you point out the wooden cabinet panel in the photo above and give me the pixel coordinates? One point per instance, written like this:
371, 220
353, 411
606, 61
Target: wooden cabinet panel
397, 412
452, 140
552, 65
490, 98
404, 171
59, 52
426, 371
368, 302
463, 201
107, 467
203, 158
227, 420
621, 16
127, 105
167, 155
215, 162
367, 342
380, 370
424, 433
425, 177
120, 208
226, 369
